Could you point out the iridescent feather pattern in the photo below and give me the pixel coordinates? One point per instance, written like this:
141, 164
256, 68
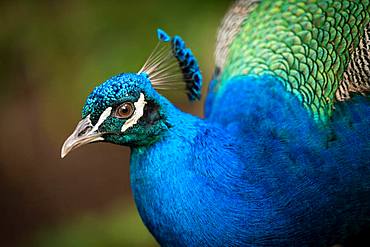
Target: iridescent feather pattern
172, 66
308, 47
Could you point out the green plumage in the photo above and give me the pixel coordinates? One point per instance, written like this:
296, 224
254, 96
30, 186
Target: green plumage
306, 44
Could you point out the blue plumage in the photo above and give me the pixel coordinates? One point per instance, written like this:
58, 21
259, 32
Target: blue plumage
163, 36
278, 185
189, 68
259, 170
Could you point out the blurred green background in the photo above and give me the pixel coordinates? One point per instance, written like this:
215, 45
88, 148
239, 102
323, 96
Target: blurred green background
52, 53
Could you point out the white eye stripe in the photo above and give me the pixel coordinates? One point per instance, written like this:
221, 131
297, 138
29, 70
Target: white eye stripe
139, 112
102, 118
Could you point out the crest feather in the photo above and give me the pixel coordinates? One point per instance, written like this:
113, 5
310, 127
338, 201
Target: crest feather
172, 66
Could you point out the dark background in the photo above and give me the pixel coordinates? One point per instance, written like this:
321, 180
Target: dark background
52, 54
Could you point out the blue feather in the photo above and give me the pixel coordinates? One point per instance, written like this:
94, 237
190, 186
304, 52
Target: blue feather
189, 67
163, 36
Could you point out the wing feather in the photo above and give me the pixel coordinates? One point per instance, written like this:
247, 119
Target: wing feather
356, 78
230, 27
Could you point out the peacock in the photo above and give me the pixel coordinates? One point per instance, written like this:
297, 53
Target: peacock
282, 155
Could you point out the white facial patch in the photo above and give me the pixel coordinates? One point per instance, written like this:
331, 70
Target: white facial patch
139, 112
102, 118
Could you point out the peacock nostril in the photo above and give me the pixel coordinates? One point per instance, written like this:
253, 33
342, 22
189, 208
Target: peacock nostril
84, 131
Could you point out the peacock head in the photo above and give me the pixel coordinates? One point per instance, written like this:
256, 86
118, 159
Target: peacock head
127, 109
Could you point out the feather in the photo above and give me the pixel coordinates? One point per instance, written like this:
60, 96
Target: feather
356, 78
308, 48
230, 27
171, 67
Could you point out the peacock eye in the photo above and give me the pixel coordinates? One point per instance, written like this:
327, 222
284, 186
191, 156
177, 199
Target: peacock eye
125, 110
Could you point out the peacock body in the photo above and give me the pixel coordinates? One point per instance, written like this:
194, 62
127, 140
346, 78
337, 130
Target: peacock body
282, 156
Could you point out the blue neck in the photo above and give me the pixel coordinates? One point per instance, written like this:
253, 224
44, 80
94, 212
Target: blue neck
166, 176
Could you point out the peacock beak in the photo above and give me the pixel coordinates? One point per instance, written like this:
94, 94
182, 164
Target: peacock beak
84, 133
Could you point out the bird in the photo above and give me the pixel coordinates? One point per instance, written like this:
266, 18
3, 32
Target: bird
281, 156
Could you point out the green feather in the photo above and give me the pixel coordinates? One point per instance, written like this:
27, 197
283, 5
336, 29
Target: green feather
304, 43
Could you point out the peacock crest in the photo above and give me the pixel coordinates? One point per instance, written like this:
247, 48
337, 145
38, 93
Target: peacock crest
172, 66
